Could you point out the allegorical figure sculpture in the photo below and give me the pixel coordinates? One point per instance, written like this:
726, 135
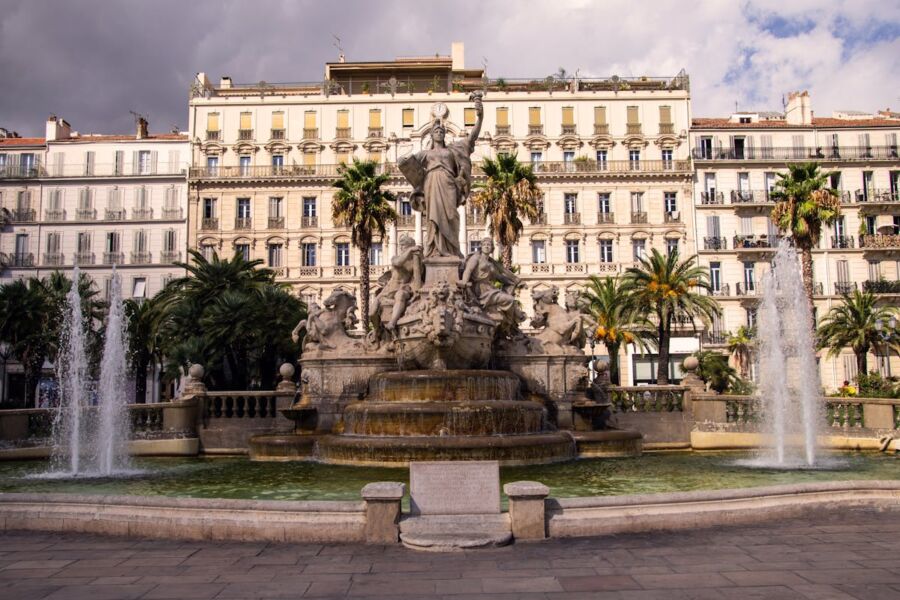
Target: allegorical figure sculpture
560, 330
441, 177
398, 286
480, 273
326, 329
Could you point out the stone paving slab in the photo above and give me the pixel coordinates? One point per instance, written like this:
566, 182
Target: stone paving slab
831, 555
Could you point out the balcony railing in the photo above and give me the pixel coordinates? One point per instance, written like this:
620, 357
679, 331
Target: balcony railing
113, 258
535, 130
243, 223
881, 286
638, 217
568, 130
841, 241
857, 152
85, 214
406, 220
715, 243
750, 197
723, 291
797, 153
673, 217
276, 222
310, 133
605, 218
277, 134
376, 132
18, 259
879, 241
213, 136
309, 221
209, 224
84, 258
753, 242
601, 128
844, 287
141, 214
572, 218
877, 195
141, 258
712, 198
573, 267
169, 256
539, 219
22, 171
633, 129
245, 135
745, 289
308, 272
54, 259
818, 288
344, 271
714, 338
114, 214
54, 214
477, 219
342, 133
172, 214
502, 130
666, 128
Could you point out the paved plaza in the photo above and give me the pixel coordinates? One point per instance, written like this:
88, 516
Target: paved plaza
824, 556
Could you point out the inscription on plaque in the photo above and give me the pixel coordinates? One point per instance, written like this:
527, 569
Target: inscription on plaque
454, 487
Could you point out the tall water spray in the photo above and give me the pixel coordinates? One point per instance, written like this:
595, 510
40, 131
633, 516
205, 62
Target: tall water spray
789, 388
89, 439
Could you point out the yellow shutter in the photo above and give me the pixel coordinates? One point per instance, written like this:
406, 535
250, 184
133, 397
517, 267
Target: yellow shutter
665, 114
600, 115
408, 117
469, 116
278, 120
212, 122
568, 115
309, 119
376, 156
534, 115
343, 157
502, 117
633, 115
374, 118
245, 120
343, 119
309, 159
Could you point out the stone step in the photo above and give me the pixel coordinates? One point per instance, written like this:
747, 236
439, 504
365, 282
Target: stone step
449, 533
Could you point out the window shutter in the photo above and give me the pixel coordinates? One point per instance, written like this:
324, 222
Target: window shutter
343, 119
502, 117
408, 117
712, 226
58, 164
665, 114
568, 115
343, 157
632, 112
534, 115
278, 120
212, 122
113, 199
469, 116
309, 159
153, 161
600, 115
374, 118
173, 161
135, 161
245, 120
309, 119
120, 161
89, 162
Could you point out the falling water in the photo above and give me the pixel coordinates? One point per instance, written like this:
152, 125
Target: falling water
789, 376
91, 440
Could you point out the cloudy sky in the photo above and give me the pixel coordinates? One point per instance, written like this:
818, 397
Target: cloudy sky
91, 61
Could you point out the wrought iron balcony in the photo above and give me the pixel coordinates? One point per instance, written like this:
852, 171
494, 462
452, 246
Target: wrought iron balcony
723, 291
666, 128
172, 214
169, 256
141, 258
310, 133
753, 242
539, 219
245, 135
54, 214
309, 221
113, 258
535, 130
114, 214
376, 132
18, 259
209, 224
712, 198
638, 217
22, 171
276, 134
841, 241
276, 222
501, 130
342, 133
877, 195
54, 259
605, 218
714, 338
750, 197
881, 286
406, 220
141, 214
601, 129
84, 258
243, 223
673, 217
568, 130
745, 289
572, 218
880, 241
85, 214
842, 288
715, 243
475, 219
21, 215
213, 136
633, 129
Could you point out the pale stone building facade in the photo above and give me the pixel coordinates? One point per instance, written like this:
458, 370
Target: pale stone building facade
612, 156
736, 160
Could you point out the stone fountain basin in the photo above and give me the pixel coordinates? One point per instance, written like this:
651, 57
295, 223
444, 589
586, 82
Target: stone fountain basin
452, 385
438, 418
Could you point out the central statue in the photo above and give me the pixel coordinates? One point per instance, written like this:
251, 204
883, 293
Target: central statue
441, 177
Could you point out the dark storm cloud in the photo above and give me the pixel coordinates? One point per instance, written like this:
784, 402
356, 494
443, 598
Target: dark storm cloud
91, 61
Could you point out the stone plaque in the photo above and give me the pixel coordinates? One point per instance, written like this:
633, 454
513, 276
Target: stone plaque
454, 487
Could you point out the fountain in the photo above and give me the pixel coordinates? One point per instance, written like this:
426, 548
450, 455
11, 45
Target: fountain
90, 440
445, 372
789, 389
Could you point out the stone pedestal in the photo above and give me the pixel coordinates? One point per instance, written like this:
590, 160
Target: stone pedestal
383, 511
526, 509
440, 269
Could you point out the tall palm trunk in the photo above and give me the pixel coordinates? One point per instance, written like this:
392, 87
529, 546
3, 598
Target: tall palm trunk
140, 381
506, 255
364, 284
807, 266
613, 351
664, 331
862, 362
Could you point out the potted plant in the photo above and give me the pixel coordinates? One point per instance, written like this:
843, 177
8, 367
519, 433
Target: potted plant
365, 87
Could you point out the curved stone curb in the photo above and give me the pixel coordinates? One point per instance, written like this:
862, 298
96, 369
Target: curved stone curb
577, 517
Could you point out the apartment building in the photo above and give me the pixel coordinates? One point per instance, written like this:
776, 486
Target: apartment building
612, 156
737, 160
97, 202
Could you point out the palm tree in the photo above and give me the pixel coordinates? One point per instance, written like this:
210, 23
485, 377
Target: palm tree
855, 323
803, 205
144, 344
24, 319
740, 346
510, 191
618, 320
362, 205
666, 286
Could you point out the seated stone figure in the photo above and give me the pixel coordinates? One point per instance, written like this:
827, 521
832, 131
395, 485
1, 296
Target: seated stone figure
559, 329
326, 328
397, 287
480, 273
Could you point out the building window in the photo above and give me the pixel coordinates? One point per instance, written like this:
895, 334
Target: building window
375, 253
469, 117
409, 117
670, 200
573, 254
275, 207
405, 207
568, 157
715, 276
671, 246
606, 251
144, 162
667, 158
275, 255
634, 160
602, 163
474, 246
604, 206
209, 208
751, 318
342, 254
538, 252
309, 207
243, 250
638, 250
536, 158
207, 252
277, 160
212, 165
139, 287
243, 208
570, 203
749, 277
245, 165
308, 255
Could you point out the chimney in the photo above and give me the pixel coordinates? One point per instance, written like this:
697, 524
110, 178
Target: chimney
142, 126
799, 109
225, 82
458, 55
57, 129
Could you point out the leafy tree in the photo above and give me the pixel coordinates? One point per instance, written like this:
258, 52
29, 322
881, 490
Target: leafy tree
854, 323
740, 346
804, 204
715, 370
362, 205
618, 320
144, 344
667, 287
509, 192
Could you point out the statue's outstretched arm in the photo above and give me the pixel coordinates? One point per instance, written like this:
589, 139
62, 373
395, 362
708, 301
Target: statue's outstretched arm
476, 130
